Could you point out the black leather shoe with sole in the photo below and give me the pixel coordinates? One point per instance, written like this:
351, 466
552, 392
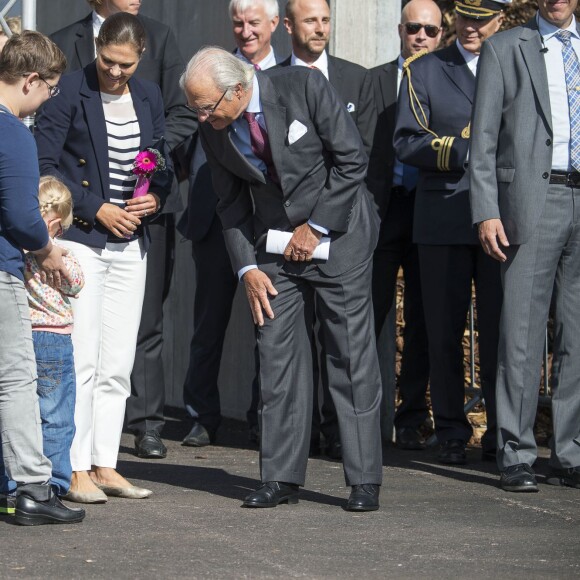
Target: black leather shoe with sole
569, 477
410, 439
148, 445
364, 498
271, 494
453, 452
520, 477
198, 436
31, 512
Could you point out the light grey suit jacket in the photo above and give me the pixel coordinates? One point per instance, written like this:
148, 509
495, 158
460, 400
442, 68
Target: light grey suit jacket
322, 175
511, 134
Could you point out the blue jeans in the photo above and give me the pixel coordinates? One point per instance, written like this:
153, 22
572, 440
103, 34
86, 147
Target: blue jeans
56, 389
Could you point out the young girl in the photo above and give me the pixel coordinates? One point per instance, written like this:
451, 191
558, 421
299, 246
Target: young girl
52, 323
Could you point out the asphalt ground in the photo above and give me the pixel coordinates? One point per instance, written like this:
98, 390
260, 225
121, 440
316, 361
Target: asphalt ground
435, 521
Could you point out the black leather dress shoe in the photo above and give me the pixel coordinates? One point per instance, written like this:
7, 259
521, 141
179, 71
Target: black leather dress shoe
520, 477
148, 445
410, 439
569, 477
198, 436
333, 448
453, 452
364, 498
271, 494
32, 512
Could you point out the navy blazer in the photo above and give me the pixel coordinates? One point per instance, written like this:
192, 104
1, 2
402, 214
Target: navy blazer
71, 136
445, 88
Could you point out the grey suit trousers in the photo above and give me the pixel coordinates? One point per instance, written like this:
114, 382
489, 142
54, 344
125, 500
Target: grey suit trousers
548, 263
344, 309
20, 425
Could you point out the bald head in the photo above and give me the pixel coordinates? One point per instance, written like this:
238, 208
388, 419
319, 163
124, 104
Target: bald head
426, 13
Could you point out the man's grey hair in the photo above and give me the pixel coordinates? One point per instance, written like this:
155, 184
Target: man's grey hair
224, 69
270, 6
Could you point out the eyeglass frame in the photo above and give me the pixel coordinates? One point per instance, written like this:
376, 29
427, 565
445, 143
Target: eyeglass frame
54, 90
427, 27
207, 110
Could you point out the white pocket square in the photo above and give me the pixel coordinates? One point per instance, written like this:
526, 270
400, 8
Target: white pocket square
295, 131
351, 108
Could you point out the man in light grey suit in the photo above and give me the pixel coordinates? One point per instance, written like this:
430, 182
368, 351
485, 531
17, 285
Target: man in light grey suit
285, 155
525, 183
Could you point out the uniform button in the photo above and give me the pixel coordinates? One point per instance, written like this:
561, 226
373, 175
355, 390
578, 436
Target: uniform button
548, 142
545, 175
85, 183
82, 162
287, 203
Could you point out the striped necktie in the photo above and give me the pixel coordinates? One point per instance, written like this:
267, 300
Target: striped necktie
261, 145
572, 74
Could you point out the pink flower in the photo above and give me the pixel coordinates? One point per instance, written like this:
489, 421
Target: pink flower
145, 163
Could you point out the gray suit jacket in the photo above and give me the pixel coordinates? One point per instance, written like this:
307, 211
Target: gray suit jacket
322, 176
511, 136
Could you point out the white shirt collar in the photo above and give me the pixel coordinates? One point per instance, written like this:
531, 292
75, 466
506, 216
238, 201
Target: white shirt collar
400, 62
468, 56
97, 23
255, 106
321, 63
547, 29
267, 62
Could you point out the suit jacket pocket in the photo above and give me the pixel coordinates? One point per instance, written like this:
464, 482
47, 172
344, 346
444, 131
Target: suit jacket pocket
505, 174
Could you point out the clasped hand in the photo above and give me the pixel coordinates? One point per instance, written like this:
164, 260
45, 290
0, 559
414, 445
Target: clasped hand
302, 244
123, 222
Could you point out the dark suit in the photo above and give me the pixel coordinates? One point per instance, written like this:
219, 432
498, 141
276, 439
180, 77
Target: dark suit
449, 254
213, 299
396, 249
321, 178
161, 63
353, 84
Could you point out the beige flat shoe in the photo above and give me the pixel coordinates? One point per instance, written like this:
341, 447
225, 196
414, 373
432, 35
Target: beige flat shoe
132, 492
84, 497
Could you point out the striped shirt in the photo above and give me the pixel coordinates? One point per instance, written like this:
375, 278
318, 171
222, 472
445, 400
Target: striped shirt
123, 140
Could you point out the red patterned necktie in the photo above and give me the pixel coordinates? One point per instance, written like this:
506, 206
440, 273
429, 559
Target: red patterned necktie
261, 145
257, 67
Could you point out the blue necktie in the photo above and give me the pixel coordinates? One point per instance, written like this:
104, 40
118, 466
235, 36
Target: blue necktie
572, 72
410, 176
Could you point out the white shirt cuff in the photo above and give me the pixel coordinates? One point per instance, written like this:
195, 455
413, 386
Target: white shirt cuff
318, 228
243, 270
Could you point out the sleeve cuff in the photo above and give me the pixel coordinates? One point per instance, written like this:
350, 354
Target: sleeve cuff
245, 269
318, 228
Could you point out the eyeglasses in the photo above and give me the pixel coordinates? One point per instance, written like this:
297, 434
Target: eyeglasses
53, 89
430, 29
207, 110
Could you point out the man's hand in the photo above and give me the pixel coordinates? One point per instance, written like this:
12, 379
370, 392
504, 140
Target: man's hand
490, 232
258, 286
51, 266
302, 244
117, 220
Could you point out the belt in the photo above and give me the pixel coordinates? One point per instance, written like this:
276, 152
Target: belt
571, 178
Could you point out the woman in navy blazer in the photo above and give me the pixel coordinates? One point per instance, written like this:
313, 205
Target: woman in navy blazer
88, 137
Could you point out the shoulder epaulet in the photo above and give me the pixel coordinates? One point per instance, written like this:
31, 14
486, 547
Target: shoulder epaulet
414, 57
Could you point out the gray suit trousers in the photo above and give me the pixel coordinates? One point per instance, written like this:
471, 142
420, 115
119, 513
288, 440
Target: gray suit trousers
20, 424
344, 308
548, 263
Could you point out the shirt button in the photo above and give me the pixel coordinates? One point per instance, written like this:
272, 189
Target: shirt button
545, 175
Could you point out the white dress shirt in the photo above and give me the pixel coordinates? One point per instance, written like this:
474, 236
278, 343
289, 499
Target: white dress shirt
557, 89
321, 63
97, 23
267, 62
470, 58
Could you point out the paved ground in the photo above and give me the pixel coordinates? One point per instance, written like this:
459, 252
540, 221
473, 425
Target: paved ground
435, 522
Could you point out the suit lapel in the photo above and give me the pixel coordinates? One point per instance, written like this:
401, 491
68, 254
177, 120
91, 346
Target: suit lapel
459, 73
95, 119
388, 80
85, 43
275, 117
335, 77
534, 59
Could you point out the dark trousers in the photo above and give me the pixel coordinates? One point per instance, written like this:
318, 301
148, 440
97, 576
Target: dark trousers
395, 249
145, 405
447, 273
214, 294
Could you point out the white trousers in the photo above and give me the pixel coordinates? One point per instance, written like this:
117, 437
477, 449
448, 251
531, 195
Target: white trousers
107, 313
